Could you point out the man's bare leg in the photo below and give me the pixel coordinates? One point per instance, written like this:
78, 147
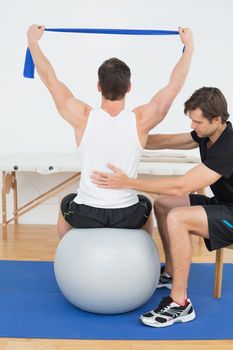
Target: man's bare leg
149, 225
181, 223
62, 226
162, 206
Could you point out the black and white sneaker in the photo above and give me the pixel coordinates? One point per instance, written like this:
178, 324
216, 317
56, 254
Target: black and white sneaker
168, 313
165, 280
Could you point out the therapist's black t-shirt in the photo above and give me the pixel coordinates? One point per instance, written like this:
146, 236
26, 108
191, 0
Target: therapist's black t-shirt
219, 157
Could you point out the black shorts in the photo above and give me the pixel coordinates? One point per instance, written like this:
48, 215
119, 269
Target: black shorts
84, 216
220, 220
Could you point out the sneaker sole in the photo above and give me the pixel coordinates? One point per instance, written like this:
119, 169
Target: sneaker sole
167, 285
182, 319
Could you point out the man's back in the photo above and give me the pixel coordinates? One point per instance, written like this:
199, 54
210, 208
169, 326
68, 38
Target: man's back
108, 139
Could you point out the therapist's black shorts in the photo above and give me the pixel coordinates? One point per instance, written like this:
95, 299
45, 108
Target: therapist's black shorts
84, 216
220, 220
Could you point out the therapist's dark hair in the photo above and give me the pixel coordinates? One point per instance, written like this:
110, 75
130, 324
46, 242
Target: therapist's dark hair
211, 101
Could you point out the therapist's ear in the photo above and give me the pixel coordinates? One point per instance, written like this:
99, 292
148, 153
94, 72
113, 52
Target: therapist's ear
98, 86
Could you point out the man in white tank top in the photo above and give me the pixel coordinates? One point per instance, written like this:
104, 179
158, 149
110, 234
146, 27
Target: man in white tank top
109, 134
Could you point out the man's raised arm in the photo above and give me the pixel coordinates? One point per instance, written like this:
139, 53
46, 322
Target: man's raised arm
69, 107
154, 112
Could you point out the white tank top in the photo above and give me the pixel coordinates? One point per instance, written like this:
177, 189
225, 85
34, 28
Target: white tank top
113, 140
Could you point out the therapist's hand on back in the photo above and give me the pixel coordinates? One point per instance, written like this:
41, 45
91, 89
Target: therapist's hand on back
115, 180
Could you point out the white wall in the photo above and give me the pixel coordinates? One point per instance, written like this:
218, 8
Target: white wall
29, 121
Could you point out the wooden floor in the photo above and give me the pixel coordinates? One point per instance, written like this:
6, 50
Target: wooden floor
38, 242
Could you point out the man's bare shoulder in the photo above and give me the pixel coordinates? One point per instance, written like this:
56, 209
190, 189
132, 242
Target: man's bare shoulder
76, 112
145, 111
77, 106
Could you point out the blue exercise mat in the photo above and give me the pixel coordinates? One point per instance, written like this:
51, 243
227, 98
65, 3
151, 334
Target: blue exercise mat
29, 68
32, 307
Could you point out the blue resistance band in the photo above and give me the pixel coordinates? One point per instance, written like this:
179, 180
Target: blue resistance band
29, 67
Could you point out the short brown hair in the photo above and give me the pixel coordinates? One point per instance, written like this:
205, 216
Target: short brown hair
114, 79
211, 102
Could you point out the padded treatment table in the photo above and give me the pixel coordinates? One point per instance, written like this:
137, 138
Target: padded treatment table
153, 163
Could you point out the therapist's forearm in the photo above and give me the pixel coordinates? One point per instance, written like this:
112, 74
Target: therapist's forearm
170, 186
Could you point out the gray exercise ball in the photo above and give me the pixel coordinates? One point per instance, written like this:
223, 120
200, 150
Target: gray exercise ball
107, 270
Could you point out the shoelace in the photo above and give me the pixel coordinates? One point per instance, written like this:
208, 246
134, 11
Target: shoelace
162, 271
164, 302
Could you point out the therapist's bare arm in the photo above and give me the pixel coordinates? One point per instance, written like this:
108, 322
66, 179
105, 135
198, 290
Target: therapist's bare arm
70, 108
171, 141
198, 177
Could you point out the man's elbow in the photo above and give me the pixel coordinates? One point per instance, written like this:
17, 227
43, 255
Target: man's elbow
175, 87
50, 80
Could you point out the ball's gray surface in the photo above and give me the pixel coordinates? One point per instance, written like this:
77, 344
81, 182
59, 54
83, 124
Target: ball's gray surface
107, 270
